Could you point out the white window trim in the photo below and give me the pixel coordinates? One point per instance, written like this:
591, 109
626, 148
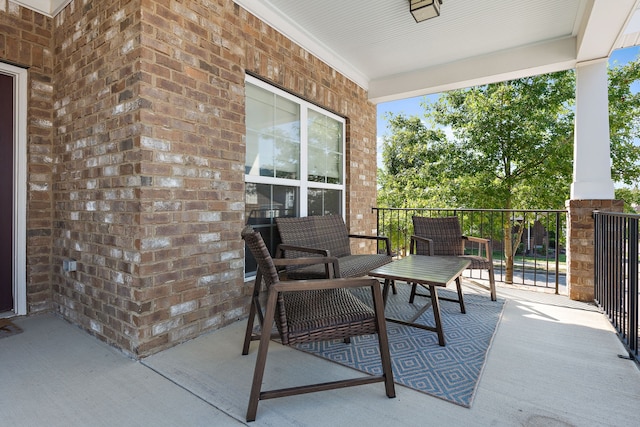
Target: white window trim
303, 184
19, 275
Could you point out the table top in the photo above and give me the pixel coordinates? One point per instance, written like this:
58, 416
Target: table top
427, 270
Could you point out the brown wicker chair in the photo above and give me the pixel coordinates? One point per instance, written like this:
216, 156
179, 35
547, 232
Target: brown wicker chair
443, 236
311, 310
326, 236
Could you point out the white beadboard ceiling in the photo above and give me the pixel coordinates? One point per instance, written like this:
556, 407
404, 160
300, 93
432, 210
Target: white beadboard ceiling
379, 45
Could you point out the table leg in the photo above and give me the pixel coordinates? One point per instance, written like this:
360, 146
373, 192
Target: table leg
385, 291
435, 304
460, 298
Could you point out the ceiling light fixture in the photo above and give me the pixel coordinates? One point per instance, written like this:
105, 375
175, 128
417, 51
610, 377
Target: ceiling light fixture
424, 9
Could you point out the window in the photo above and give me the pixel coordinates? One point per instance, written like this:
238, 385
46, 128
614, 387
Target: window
295, 160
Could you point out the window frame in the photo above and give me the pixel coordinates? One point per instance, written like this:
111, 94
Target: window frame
303, 184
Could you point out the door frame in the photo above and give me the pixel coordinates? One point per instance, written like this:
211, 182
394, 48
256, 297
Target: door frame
19, 270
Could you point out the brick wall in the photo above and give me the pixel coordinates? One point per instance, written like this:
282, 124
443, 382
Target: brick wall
581, 245
96, 180
193, 68
26, 41
192, 194
137, 139
277, 59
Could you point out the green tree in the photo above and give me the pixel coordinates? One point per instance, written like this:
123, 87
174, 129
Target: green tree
624, 122
518, 134
415, 158
631, 198
511, 147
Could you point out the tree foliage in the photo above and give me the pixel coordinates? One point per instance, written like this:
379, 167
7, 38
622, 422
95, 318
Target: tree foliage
503, 145
510, 147
624, 123
631, 198
510, 144
416, 159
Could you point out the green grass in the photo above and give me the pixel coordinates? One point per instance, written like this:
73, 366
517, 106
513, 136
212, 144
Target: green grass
538, 262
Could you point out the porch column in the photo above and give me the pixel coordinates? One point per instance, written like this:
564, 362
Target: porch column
591, 154
592, 186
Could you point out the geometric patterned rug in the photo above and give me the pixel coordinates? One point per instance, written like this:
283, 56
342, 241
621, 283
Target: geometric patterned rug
451, 372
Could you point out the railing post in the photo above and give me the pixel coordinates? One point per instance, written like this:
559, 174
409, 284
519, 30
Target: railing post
598, 261
557, 253
633, 290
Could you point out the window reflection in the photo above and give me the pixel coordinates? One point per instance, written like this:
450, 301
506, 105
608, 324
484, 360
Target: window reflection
325, 149
264, 203
273, 135
324, 202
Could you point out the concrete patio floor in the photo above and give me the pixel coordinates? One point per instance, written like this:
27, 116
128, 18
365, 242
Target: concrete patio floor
553, 362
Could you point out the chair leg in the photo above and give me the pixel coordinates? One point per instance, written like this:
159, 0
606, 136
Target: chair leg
460, 298
261, 359
249, 332
253, 311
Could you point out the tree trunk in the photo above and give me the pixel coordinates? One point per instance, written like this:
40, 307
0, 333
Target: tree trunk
511, 244
508, 252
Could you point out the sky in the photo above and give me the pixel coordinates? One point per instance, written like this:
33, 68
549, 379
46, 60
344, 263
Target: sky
411, 106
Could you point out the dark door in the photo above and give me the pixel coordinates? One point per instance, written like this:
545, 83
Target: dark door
6, 192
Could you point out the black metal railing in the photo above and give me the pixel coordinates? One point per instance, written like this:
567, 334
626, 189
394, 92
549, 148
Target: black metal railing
539, 256
616, 274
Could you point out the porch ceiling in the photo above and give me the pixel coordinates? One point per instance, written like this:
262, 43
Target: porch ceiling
377, 43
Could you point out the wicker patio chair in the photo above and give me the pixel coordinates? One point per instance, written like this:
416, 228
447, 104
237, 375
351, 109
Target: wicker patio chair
327, 235
443, 236
308, 311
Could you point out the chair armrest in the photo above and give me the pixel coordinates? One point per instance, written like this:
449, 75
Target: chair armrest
384, 239
324, 258
283, 247
319, 284
485, 242
304, 261
414, 241
476, 239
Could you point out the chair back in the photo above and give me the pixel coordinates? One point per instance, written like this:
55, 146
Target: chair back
266, 271
320, 232
445, 233
332, 234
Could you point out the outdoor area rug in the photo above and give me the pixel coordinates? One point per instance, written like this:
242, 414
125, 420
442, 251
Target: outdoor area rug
451, 372
8, 328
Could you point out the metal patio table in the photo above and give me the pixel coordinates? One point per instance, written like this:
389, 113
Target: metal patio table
430, 271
